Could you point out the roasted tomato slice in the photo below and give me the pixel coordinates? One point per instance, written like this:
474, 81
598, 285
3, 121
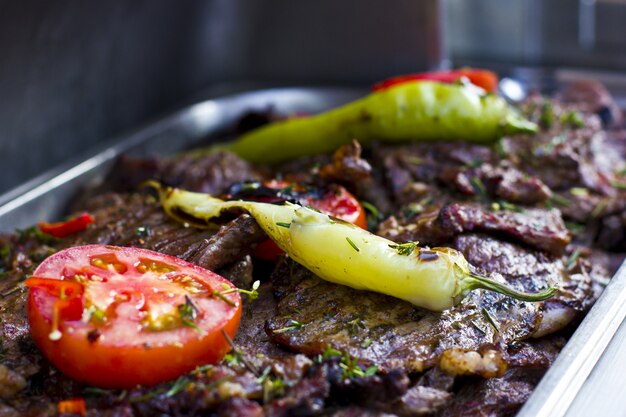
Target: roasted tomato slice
117, 317
333, 200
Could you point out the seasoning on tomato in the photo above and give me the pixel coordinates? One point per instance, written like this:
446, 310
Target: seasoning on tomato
480, 77
67, 228
333, 200
117, 317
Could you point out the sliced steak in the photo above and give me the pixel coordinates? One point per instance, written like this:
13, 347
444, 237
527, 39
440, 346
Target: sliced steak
137, 220
538, 228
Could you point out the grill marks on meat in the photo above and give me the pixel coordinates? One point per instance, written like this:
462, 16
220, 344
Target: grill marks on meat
446, 193
393, 334
136, 220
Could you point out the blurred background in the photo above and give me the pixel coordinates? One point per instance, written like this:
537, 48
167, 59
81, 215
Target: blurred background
74, 72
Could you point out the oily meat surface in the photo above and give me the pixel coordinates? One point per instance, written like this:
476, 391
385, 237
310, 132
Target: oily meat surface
531, 211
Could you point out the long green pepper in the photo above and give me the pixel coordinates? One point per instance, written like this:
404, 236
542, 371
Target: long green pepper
419, 111
345, 254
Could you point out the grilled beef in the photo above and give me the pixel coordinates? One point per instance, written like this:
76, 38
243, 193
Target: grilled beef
530, 211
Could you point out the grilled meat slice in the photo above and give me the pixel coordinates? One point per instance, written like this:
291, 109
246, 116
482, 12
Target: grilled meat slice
394, 334
538, 228
137, 220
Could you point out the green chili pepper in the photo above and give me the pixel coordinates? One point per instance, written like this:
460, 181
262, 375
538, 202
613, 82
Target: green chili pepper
413, 111
342, 253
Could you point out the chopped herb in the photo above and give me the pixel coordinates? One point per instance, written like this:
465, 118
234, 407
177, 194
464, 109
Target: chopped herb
405, 249
34, 232
351, 369
371, 370
505, 205
548, 204
371, 208
573, 119
579, 191
414, 209
477, 327
619, 185
202, 369
272, 386
621, 172
413, 160
355, 247
146, 396
10, 292
367, 342
293, 325
178, 386
252, 294
500, 148
232, 358
490, 319
547, 114
356, 325
283, 224
599, 209
474, 164
95, 391
575, 227
479, 188
263, 375
330, 352
239, 355
571, 261
560, 200
5, 251
188, 313
549, 147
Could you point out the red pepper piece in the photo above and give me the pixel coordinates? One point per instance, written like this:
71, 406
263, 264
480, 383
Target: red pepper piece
68, 228
74, 406
482, 78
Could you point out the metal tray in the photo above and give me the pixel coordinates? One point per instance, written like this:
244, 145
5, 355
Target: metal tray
45, 197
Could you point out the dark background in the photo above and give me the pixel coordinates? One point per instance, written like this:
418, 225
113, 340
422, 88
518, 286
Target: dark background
76, 72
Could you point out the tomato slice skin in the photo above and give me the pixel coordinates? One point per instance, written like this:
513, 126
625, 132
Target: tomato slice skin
335, 201
120, 348
67, 228
485, 79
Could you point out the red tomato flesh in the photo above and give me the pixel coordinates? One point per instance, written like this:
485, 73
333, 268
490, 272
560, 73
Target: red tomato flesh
117, 317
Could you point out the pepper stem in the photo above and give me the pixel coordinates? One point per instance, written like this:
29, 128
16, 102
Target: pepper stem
472, 282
